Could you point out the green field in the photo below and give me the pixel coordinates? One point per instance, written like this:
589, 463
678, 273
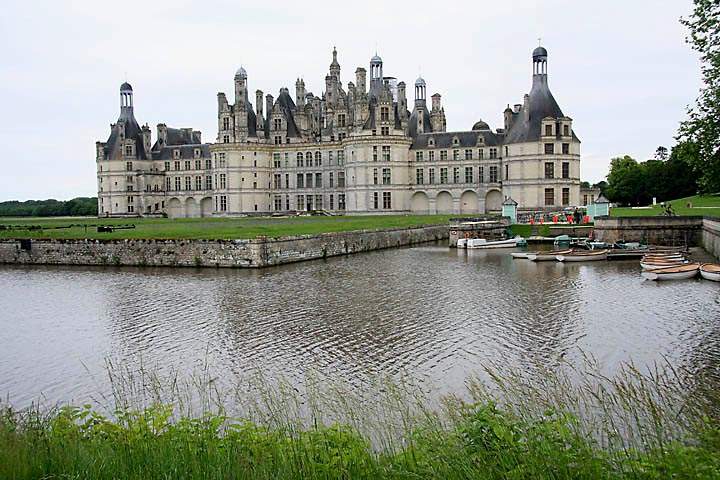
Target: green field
701, 205
204, 228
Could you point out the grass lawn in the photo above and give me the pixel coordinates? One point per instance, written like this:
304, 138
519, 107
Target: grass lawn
701, 205
206, 228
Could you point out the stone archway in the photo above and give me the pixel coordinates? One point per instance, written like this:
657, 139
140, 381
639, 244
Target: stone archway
469, 202
419, 203
206, 207
444, 202
174, 208
493, 201
192, 208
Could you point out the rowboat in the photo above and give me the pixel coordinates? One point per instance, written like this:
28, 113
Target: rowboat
660, 266
462, 243
663, 257
482, 243
710, 271
546, 256
521, 254
681, 272
589, 256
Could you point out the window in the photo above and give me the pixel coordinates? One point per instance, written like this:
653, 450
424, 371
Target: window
386, 176
468, 154
418, 156
223, 181
254, 187
493, 173
419, 176
341, 201
287, 183
386, 153
549, 148
223, 203
308, 180
374, 155
299, 162
309, 202
431, 142
300, 202
493, 152
481, 154
549, 170
168, 184
506, 151
330, 158
318, 202
188, 164
277, 201
566, 130
549, 196
481, 174
196, 153
318, 159
585, 199
431, 156
385, 131
376, 200
456, 141
208, 182
456, 174
331, 205
300, 183
128, 166
341, 120
176, 153
277, 140
341, 157
128, 150
277, 123
167, 166
387, 201
188, 183
443, 155
198, 183
431, 176
444, 175
456, 154
277, 181
331, 180
468, 174
276, 160
341, 184
565, 148
318, 180
566, 196
226, 123
208, 164
565, 169
375, 176
548, 130
287, 202
177, 183
384, 114
198, 164
308, 159
507, 172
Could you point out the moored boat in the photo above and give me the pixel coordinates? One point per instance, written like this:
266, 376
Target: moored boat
521, 254
462, 243
710, 271
589, 256
681, 272
549, 256
661, 265
482, 243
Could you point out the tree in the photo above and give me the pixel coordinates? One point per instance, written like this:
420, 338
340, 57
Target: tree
703, 124
626, 182
661, 153
602, 185
584, 184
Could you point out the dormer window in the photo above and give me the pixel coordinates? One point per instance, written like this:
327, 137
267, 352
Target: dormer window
197, 153
548, 130
566, 130
176, 153
128, 150
456, 141
384, 114
431, 142
481, 140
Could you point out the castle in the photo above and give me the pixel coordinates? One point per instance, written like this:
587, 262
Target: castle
356, 149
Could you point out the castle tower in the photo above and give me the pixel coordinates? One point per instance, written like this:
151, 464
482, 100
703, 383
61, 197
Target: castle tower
241, 101
335, 66
376, 76
437, 114
259, 107
126, 101
299, 92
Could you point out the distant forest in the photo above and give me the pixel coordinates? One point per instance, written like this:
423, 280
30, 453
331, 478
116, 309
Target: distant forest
81, 206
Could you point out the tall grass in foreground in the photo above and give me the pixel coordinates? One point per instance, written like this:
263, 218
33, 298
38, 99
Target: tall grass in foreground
649, 424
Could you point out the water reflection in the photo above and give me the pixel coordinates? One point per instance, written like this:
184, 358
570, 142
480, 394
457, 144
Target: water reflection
428, 312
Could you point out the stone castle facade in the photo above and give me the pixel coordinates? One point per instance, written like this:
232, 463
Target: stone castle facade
354, 149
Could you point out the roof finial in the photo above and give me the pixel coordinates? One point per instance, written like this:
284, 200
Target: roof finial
539, 41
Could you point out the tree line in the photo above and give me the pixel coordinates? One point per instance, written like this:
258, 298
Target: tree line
81, 206
693, 165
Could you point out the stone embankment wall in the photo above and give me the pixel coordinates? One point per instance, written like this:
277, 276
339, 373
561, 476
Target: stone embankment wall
711, 235
255, 253
651, 230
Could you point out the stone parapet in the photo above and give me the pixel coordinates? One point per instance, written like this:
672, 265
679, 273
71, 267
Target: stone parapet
650, 230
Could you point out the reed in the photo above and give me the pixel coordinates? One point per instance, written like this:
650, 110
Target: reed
550, 423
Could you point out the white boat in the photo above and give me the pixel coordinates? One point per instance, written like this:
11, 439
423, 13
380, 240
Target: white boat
549, 256
482, 243
522, 254
656, 264
710, 271
462, 243
589, 256
681, 272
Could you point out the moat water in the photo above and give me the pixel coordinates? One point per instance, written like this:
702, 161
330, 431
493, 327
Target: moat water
429, 313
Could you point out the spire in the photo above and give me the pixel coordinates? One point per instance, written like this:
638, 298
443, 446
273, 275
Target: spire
335, 66
126, 101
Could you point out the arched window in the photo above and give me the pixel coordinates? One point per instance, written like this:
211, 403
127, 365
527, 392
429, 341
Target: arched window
299, 159
318, 159
308, 156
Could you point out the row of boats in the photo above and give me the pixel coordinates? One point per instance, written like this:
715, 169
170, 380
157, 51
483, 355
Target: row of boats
568, 255
481, 243
675, 266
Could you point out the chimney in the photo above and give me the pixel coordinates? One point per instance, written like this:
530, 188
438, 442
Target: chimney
268, 105
360, 79
518, 106
259, 107
436, 101
162, 133
526, 107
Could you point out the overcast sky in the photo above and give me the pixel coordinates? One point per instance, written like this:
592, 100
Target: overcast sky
620, 69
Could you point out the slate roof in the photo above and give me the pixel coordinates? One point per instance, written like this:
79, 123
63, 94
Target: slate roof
287, 106
412, 122
186, 152
466, 139
132, 131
